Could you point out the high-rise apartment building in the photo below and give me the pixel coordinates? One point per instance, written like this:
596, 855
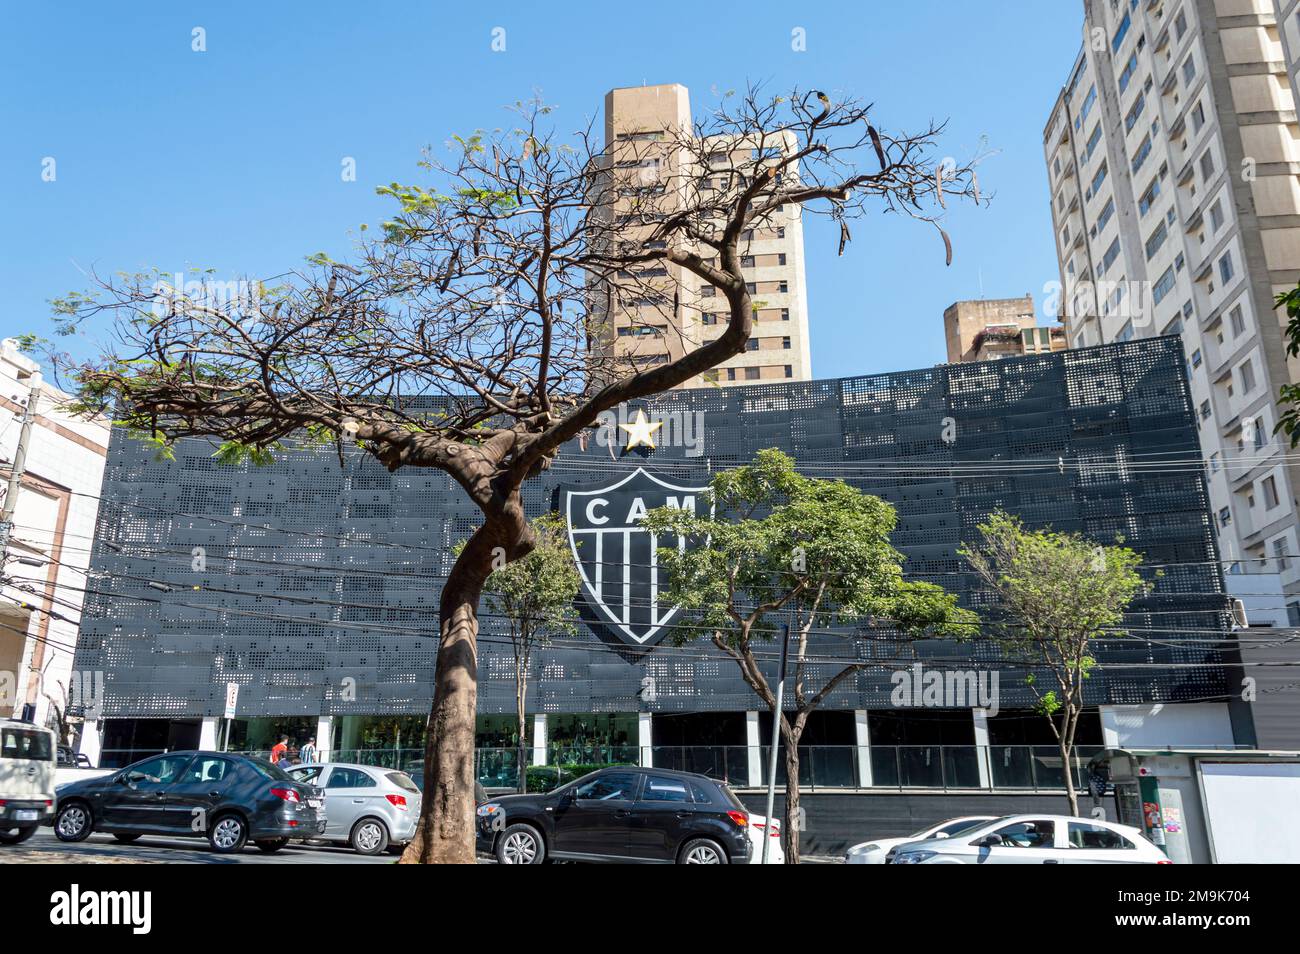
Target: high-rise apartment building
652, 158
1172, 154
987, 328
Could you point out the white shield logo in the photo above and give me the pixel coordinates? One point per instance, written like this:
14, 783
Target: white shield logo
618, 558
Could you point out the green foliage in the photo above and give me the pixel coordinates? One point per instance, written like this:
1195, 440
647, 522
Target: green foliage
1289, 394
778, 541
1056, 593
536, 593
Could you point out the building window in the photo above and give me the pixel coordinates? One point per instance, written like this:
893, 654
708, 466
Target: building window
1216, 216
1108, 259
1086, 108
1097, 180
1225, 268
1103, 218
1269, 488
1225, 516
1093, 138
1149, 197
708, 291
1163, 286
789, 371
785, 342
1198, 117
780, 258
1247, 371
1180, 25
1196, 358
752, 374
1127, 75
1205, 410
747, 261
1143, 151
1281, 551
731, 374
751, 344
1207, 164
1238, 321
1121, 31
1189, 69
785, 314
710, 318
1156, 239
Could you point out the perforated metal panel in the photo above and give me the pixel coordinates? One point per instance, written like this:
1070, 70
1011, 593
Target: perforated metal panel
321, 582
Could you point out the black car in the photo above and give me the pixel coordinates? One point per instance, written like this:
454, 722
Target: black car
229, 799
635, 815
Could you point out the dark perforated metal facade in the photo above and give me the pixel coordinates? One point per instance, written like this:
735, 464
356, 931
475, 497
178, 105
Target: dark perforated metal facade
320, 589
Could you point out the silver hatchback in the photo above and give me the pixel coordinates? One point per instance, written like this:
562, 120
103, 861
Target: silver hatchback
366, 806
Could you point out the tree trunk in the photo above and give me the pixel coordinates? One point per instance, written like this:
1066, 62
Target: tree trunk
1067, 749
445, 834
521, 694
790, 825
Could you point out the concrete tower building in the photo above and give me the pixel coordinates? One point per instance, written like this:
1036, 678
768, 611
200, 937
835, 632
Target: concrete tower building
645, 128
1172, 154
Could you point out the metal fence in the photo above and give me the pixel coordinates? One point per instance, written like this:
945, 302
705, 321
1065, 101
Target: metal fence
1002, 768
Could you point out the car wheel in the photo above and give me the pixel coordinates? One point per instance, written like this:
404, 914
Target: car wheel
521, 845
125, 837
369, 837
17, 836
74, 822
228, 834
702, 851
271, 845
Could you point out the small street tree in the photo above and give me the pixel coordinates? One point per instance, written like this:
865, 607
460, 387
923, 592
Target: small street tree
480, 331
1055, 594
535, 596
776, 547
1289, 394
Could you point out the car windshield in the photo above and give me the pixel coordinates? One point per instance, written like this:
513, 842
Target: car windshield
952, 831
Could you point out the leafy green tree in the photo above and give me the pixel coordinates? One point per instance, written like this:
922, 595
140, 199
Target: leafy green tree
780, 547
536, 596
1056, 593
1288, 421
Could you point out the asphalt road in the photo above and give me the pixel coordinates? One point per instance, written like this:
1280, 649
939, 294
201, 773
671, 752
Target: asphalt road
44, 848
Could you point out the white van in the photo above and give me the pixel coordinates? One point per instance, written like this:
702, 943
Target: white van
27, 759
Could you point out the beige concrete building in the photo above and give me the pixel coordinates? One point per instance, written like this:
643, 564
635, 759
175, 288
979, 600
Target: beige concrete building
988, 328
47, 555
646, 128
1172, 154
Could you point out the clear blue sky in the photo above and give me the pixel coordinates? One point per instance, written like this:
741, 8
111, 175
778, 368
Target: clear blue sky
230, 158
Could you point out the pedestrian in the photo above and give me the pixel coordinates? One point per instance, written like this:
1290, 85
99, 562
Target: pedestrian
279, 750
308, 752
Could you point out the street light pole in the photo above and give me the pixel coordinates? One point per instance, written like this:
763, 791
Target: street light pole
776, 738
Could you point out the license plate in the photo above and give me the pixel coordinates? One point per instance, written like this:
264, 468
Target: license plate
313, 802
26, 814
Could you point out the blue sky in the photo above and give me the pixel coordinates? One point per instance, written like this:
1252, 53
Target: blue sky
230, 158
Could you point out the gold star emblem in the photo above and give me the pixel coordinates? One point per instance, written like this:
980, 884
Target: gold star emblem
641, 431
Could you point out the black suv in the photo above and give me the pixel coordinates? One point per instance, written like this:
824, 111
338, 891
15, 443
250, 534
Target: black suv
635, 815
229, 799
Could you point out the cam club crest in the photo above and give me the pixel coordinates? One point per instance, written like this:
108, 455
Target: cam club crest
617, 558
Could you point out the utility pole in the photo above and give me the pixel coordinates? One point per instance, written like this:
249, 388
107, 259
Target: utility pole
16, 472
776, 738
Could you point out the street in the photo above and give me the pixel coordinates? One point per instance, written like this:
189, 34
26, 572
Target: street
44, 848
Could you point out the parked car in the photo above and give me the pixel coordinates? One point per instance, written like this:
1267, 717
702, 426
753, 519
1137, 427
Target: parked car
623, 814
366, 807
70, 759
1034, 840
758, 827
27, 759
416, 771
229, 799
873, 852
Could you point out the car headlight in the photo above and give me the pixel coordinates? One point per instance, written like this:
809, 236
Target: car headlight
863, 849
913, 857
491, 808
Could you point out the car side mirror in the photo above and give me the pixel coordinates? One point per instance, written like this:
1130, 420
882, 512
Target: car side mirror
566, 799
941, 834
989, 841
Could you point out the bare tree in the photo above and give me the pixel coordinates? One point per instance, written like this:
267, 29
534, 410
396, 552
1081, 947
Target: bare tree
476, 334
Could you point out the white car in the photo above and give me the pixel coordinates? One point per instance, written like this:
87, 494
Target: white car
757, 829
1035, 840
873, 852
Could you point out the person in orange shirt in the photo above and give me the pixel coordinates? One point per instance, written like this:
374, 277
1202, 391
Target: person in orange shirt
279, 750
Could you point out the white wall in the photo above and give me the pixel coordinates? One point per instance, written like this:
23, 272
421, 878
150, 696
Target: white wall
1172, 725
